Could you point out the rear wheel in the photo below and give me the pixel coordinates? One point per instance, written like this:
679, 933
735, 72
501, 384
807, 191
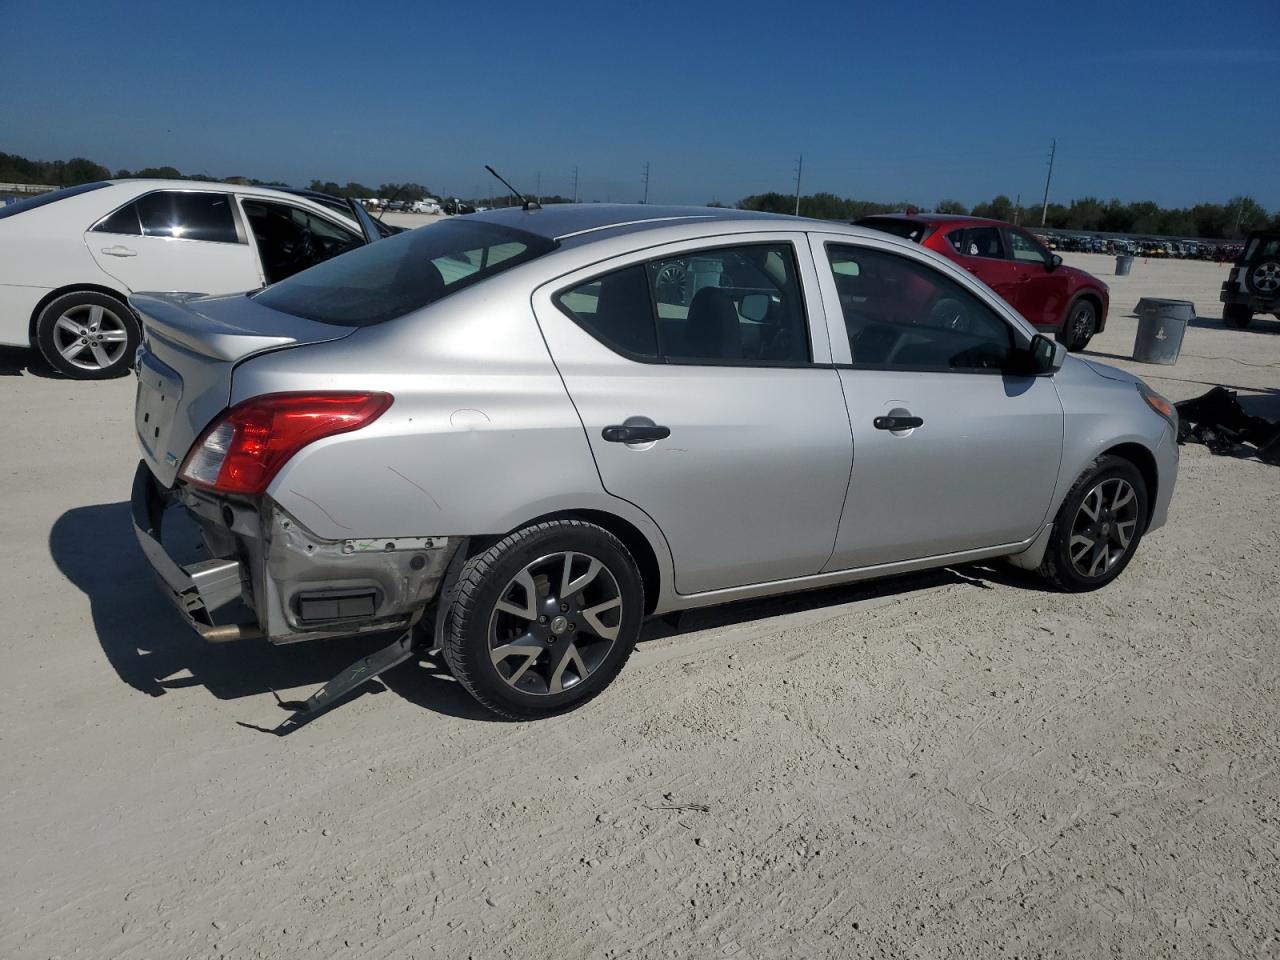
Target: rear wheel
1098, 526
1237, 315
1082, 322
87, 335
544, 619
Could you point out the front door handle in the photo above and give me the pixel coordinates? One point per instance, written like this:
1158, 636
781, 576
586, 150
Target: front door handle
897, 423
118, 251
634, 433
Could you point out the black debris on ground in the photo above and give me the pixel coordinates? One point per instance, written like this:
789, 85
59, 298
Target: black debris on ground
1217, 420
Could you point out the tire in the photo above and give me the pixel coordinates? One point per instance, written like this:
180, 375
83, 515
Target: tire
1080, 325
526, 656
88, 335
1087, 570
1263, 278
1237, 315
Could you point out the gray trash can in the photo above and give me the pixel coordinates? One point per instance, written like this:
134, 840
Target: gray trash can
1124, 263
1161, 326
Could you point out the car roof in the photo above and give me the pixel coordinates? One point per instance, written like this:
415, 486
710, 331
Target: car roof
936, 219
163, 184
561, 221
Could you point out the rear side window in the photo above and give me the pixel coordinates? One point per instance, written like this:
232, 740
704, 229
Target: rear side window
32, 203
977, 242
188, 216
403, 273
734, 305
124, 220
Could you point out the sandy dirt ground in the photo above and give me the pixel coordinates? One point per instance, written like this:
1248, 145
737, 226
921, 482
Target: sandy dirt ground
958, 764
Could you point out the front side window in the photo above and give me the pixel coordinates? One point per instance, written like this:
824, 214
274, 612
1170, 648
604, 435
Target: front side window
392, 277
187, 215
1026, 249
734, 305
977, 242
291, 239
905, 315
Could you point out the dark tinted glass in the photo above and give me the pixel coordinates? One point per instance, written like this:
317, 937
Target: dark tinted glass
124, 220
395, 276
900, 314
615, 309
188, 216
977, 242
31, 203
906, 229
291, 239
732, 305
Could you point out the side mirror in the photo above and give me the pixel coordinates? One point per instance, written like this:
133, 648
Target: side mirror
1055, 262
1047, 356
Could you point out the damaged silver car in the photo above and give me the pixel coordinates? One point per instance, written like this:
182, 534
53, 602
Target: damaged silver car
513, 436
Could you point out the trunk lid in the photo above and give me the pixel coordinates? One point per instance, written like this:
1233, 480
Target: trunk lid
190, 348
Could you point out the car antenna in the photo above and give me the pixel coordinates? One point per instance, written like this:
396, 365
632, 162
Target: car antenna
525, 201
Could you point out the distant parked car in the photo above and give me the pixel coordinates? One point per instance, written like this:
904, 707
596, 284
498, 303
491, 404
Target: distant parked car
1052, 296
68, 259
425, 206
1253, 285
455, 207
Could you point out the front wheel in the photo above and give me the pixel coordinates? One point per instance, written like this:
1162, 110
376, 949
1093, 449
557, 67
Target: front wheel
1098, 526
1082, 322
87, 335
544, 619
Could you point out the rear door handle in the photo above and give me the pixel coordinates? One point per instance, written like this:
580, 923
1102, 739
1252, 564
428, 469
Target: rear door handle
623, 433
897, 423
118, 251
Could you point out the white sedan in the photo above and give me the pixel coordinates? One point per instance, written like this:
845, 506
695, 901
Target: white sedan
68, 259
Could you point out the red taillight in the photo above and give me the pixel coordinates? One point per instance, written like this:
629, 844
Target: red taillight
244, 448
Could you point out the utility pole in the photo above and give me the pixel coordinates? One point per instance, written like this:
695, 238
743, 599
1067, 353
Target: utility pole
646, 182
1044, 210
1017, 209
575, 184
799, 170
539, 188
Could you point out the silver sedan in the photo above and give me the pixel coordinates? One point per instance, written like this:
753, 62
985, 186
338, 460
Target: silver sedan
513, 436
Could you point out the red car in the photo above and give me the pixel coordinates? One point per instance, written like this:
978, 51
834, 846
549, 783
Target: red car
1013, 263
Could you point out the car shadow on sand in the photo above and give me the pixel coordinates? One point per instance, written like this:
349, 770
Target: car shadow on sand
16, 361
153, 650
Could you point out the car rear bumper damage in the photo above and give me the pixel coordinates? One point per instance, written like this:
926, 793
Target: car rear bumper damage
262, 574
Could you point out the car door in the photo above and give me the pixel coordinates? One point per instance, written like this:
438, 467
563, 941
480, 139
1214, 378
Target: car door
951, 452
701, 374
176, 240
1043, 290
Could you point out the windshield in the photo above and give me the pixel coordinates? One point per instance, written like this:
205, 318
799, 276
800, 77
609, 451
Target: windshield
10, 209
392, 277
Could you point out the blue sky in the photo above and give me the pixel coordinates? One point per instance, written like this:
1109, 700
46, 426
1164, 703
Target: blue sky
1170, 101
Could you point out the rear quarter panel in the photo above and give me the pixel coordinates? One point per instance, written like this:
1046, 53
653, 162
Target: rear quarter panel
481, 438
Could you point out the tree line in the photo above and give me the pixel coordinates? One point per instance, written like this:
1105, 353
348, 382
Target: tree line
1210, 221
1215, 221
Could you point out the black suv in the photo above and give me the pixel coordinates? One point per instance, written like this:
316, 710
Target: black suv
1253, 285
